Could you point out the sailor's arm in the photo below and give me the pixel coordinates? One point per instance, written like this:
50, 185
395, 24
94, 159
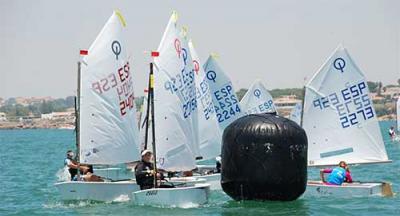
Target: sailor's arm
321, 173
142, 172
348, 177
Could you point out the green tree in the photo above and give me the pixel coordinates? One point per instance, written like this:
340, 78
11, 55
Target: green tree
10, 101
46, 107
241, 93
70, 101
372, 86
298, 92
8, 109
58, 105
21, 110
379, 88
34, 109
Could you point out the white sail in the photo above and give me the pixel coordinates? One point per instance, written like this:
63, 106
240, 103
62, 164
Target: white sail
257, 100
339, 117
175, 103
295, 115
398, 114
226, 103
108, 125
209, 131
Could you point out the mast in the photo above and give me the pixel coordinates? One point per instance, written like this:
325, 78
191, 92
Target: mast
146, 136
77, 114
77, 117
153, 123
302, 106
150, 106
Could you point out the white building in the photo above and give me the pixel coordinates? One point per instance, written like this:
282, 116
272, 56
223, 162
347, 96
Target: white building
3, 117
58, 115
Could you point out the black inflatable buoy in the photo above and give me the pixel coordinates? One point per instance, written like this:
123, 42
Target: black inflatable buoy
264, 157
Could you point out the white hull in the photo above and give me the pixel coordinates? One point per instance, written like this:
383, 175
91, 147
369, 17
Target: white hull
185, 181
114, 173
317, 188
213, 179
97, 191
120, 174
183, 197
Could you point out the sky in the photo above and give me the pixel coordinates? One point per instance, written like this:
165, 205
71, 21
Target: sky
280, 42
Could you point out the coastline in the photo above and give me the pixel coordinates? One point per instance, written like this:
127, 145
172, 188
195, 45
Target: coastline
68, 124
37, 124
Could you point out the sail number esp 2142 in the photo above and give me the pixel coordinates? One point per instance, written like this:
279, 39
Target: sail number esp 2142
121, 81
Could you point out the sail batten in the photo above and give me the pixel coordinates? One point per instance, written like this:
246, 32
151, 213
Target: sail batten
369, 161
108, 125
339, 117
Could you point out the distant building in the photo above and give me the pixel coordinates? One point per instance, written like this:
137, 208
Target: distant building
26, 120
393, 92
32, 100
22, 101
59, 115
3, 117
285, 104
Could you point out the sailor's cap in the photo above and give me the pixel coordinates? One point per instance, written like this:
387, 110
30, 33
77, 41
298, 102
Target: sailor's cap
146, 151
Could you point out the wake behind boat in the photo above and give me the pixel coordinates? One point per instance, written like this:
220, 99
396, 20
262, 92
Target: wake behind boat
341, 125
107, 131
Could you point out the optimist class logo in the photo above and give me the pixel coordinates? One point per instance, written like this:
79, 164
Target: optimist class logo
339, 64
116, 48
178, 47
257, 93
196, 66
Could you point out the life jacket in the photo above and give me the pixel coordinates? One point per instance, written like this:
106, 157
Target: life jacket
337, 176
143, 179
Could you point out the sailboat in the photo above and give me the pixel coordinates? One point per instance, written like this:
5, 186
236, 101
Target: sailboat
295, 114
257, 100
342, 125
173, 104
107, 132
208, 127
226, 103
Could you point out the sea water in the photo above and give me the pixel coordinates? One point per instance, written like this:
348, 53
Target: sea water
31, 159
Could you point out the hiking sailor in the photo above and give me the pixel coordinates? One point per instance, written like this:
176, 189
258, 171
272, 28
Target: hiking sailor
337, 175
72, 165
392, 133
144, 171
